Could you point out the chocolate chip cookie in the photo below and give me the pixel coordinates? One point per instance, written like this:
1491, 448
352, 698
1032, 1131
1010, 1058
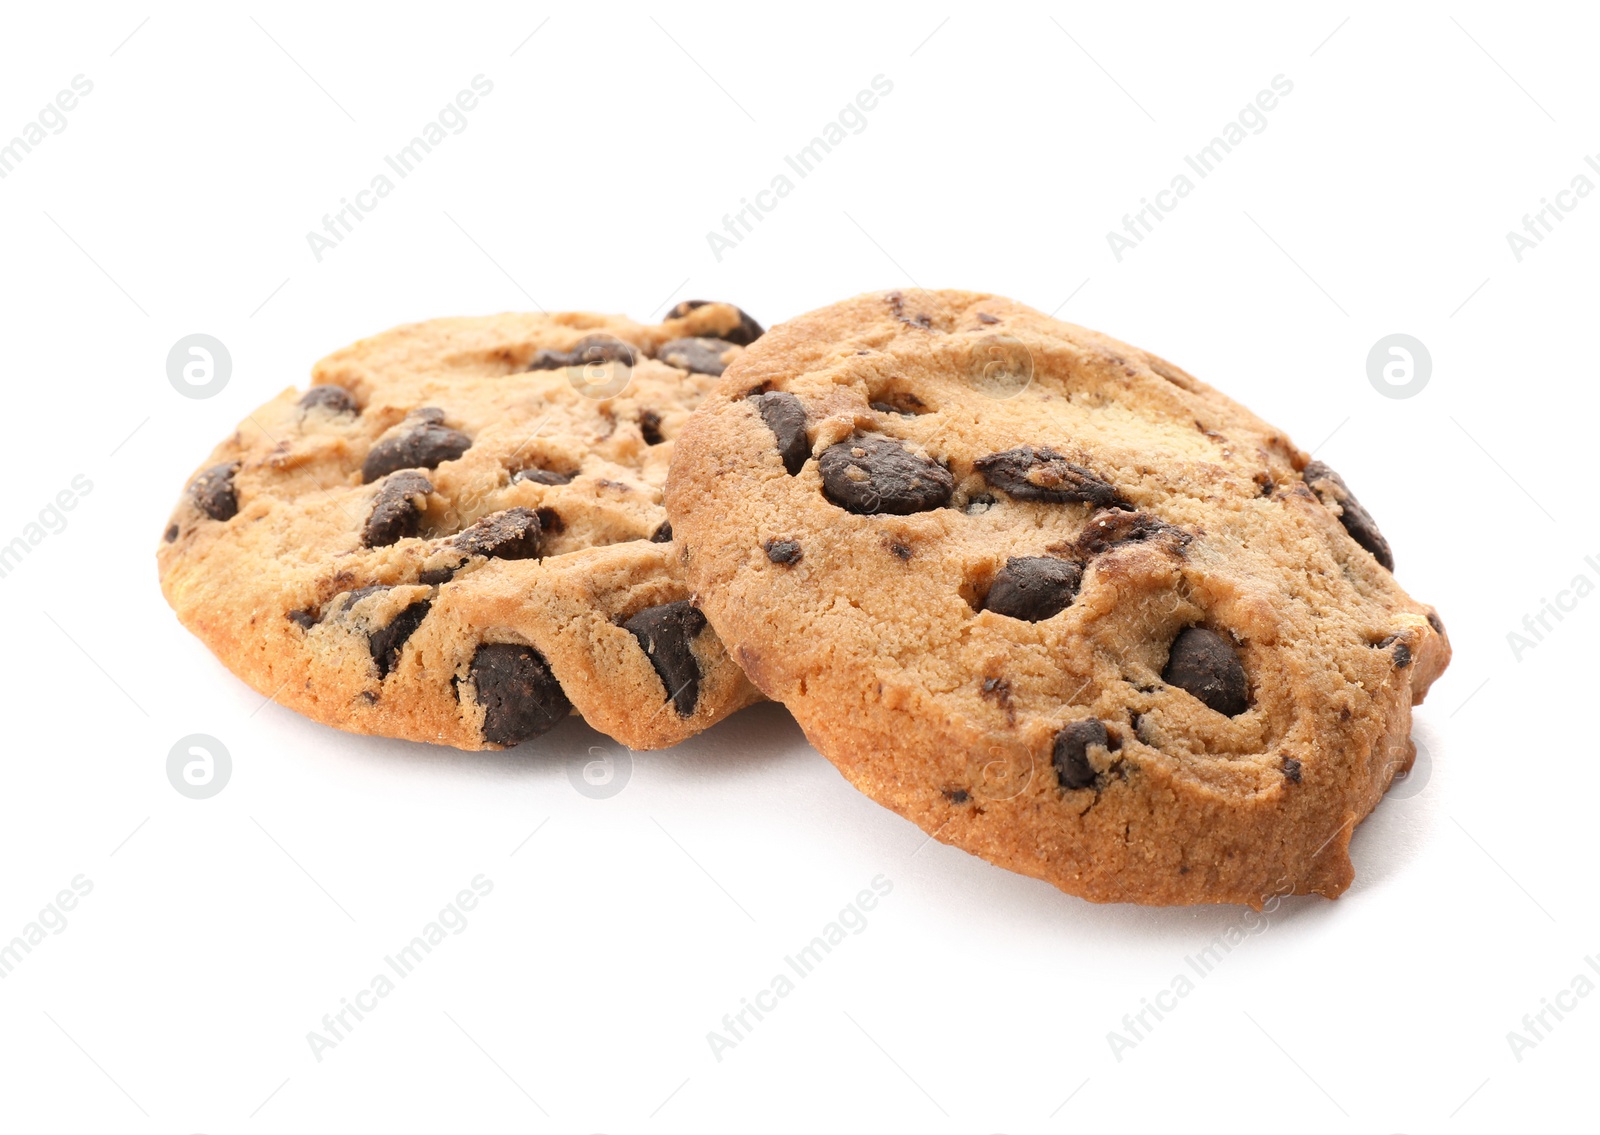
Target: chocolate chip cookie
456, 534
1053, 599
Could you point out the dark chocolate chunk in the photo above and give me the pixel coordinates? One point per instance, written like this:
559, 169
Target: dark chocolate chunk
397, 509
1357, 521
1116, 526
334, 399
650, 427
743, 335
549, 360
171, 533
697, 356
509, 535
434, 576
783, 551
213, 492
877, 474
519, 695
899, 551
1206, 665
542, 477
957, 795
1070, 754
1436, 622
662, 534
664, 634
985, 317
785, 416
603, 349
423, 445
351, 598
305, 620
1031, 474
1402, 652
387, 642
1291, 769
1034, 587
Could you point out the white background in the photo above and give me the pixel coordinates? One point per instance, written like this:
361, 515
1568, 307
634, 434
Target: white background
218, 932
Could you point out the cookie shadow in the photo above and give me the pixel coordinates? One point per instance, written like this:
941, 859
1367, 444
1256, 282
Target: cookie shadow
740, 741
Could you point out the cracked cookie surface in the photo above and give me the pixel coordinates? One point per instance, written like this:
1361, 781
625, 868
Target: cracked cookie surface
455, 533
1053, 599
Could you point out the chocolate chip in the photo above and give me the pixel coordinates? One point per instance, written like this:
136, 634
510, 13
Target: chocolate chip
697, 356
305, 620
424, 445
1402, 652
386, 642
985, 317
897, 305
435, 576
549, 360
1291, 770
542, 477
213, 492
397, 509
1070, 753
664, 634
519, 695
956, 795
899, 551
509, 535
1033, 587
1357, 521
998, 690
1436, 622
650, 427
783, 551
662, 534
550, 520
351, 598
1031, 474
743, 335
901, 402
876, 474
1116, 526
334, 399
1203, 663
603, 349
785, 416
171, 533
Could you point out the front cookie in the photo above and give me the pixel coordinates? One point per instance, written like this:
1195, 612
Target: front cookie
1053, 599
456, 534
